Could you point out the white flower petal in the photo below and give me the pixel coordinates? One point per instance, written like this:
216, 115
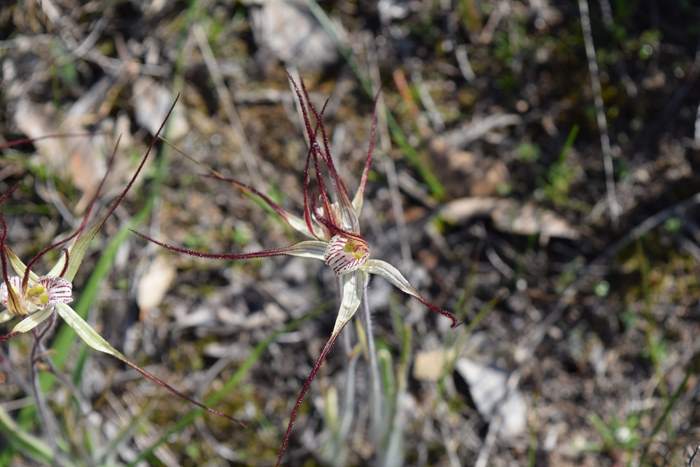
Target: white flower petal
352, 285
390, 273
393, 275
309, 249
33, 320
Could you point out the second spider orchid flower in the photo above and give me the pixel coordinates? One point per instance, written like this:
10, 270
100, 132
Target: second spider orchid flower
333, 232
36, 298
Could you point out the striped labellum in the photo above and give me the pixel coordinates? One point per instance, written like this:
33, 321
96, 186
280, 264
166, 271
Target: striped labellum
346, 254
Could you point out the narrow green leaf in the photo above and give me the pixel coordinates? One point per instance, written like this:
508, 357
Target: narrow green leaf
23, 441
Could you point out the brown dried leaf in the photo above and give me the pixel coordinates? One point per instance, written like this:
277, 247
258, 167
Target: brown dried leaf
155, 283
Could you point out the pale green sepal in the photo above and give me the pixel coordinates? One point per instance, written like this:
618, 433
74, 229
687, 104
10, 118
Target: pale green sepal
357, 202
86, 332
309, 249
33, 320
352, 286
78, 250
19, 266
5, 316
390, 273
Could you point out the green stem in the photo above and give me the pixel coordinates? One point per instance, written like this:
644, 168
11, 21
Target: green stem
377, 415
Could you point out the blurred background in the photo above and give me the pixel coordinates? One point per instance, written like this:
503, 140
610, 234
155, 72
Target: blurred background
534, 173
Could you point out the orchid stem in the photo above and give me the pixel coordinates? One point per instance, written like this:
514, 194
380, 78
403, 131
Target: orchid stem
47, 420
376, 392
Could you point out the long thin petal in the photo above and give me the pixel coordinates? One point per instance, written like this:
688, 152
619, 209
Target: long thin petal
19, 266
33, 320
393, 275
302, 395
79, 248
352, 286
359, 197
308, 249
349, 218
294, 221
61, 268
93, 339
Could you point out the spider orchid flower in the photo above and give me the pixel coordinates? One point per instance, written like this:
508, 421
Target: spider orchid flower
35, 298
333, 232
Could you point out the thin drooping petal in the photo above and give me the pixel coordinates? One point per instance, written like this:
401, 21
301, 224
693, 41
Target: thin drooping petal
314, 153
349, 219
308, 249
78, 231
79, 248
352, 286
97, 342
359, 197
33, 320
292, 220
393, 275
302, 395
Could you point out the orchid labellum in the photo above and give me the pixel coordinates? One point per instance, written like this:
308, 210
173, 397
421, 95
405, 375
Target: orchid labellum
35, 298
333, 232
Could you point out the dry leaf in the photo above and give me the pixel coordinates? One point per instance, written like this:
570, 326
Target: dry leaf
289, 31
151, 103
155, 283
489, 391
510, 216
429, 364
76, 158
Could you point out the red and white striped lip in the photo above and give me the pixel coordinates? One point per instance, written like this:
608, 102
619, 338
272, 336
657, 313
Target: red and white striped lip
346, 254
48, 291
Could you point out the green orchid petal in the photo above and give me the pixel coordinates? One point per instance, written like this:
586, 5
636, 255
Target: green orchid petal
357, 202
352, 286
91, 337
77, 252
33, 320
19, 266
